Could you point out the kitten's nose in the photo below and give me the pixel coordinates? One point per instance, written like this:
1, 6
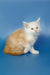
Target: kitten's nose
35, 30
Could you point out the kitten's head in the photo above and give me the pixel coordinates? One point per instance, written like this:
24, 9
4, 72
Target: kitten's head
32, 27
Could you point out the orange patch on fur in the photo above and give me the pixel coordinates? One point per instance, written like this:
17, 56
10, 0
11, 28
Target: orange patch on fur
14, 44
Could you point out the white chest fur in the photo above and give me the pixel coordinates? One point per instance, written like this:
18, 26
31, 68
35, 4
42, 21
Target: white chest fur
31, 39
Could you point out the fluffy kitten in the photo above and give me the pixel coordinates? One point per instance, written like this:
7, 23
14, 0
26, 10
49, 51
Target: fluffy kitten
21, 41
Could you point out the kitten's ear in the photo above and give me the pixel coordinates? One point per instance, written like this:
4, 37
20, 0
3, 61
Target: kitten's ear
38, 21
25, 24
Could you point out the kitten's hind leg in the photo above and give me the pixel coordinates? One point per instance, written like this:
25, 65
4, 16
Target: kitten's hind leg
13, 51
33, 51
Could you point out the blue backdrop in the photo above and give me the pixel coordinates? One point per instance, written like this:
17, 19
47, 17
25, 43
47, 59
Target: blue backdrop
12, 14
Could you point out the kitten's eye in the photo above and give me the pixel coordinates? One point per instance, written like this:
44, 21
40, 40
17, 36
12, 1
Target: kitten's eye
32, 28
36, 27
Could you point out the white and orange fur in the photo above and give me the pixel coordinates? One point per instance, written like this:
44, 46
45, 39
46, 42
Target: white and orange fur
21, 41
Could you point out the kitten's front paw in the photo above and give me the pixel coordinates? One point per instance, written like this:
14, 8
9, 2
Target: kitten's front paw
35, 52
25, 51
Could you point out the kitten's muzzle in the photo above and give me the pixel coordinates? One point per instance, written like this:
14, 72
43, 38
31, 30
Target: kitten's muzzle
35, 30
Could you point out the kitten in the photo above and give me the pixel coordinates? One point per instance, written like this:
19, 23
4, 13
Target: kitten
21, 41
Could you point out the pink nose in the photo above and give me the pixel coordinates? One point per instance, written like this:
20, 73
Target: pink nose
35, 30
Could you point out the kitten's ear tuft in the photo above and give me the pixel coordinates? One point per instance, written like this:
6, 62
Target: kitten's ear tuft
38, 21
25, 24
